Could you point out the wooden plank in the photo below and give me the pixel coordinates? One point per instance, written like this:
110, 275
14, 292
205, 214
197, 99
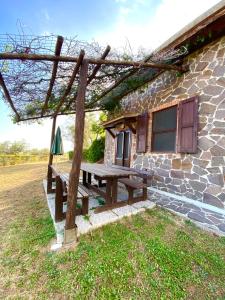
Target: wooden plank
7, 96
78, 146
133, 184
97, 67
51, 115
70, 84
82, 191
97, 61
142, 132
104, 171
94, 72
111, 133
58, 48
108, 197
114, 190
110, 206
97, 190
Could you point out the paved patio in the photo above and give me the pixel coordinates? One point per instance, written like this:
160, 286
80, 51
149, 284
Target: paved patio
92, 221
202, 217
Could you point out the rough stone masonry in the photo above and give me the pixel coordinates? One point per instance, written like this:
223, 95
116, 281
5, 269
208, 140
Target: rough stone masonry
197, 176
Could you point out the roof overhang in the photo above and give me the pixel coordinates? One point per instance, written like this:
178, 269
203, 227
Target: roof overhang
128, 120
124, 119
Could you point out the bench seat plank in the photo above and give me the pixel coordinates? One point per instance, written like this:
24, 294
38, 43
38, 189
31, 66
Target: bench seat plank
133, 184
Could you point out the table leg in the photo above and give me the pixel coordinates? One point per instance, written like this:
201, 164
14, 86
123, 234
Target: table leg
84, 178
114, 190
108, 197
89, 178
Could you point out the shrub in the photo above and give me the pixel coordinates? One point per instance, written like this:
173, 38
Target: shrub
96, 150
94, 153
70, 153
85, 154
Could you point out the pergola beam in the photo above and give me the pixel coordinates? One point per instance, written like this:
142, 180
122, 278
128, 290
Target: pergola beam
97, 67
58, 48
59, 114
70, 226
45, 57
70, 84
7, 96
94, 72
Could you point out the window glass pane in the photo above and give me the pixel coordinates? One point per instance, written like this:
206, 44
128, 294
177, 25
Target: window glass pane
126, 144
119, 151
165, 119
164, 141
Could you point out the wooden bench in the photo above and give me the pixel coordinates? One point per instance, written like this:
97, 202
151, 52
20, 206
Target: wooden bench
133, 185
61, 189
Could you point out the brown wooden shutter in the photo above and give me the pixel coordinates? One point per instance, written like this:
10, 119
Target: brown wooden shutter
187, 125
142, 130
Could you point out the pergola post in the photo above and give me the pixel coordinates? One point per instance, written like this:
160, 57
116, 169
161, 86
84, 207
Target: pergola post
70, 234
50, 160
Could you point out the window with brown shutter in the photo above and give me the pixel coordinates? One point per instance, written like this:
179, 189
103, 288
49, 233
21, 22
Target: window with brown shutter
187, 125
142, 130
164, 129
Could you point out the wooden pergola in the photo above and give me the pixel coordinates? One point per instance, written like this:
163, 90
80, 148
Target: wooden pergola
84, 72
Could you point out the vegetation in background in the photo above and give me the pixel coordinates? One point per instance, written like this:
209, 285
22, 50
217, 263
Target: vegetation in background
96, 151
18, 152
94, 138
152, 255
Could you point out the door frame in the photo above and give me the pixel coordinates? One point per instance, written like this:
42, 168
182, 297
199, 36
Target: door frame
123, 159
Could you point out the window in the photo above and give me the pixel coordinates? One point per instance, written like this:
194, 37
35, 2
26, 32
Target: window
164, 130
119, 145
123, 148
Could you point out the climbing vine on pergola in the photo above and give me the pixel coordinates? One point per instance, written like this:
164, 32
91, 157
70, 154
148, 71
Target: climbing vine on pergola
50, 76
40, 74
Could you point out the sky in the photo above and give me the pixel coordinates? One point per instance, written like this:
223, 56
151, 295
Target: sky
137, 23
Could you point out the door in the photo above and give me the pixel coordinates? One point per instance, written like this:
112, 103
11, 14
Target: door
123, 151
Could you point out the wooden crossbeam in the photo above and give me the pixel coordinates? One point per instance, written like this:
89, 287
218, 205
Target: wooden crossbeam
52, 115
7, 96
118, 82
97, 67
113, 86
137, 64
70, 84
58, 48
94, 72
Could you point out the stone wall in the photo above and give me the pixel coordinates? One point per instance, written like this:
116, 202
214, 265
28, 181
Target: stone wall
198, 176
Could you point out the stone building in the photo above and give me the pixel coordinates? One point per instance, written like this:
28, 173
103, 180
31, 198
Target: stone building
176, 125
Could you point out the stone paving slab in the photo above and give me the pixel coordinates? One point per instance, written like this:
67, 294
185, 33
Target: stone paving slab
84, 225
103, 218
202, 217
144, 204
127, 210
88, 223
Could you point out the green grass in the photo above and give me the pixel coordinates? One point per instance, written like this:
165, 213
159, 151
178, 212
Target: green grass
153, 255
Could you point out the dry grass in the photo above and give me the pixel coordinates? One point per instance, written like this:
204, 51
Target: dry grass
153, 255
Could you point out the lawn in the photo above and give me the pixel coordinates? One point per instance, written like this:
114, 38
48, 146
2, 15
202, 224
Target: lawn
153, 255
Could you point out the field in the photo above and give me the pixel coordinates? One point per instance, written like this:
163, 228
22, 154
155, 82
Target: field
153, 255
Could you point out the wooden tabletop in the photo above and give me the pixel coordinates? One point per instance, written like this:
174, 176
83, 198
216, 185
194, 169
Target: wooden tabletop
104, 171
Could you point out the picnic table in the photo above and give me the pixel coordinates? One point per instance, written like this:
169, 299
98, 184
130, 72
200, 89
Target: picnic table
110, 175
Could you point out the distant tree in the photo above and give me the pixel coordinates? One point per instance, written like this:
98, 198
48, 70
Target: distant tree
8, 147
5, 147
92, 131
18, 147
